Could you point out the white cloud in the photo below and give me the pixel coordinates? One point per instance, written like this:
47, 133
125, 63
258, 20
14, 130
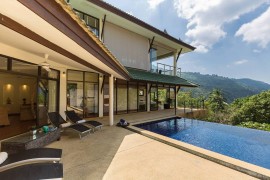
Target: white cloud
154, 3
257, 31
206, 19
256, 51
130, 13
240, 62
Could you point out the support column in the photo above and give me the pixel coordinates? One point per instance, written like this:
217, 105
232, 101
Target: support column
111, 84
175, 101
148, 97
100, 100
174, 64
63, 94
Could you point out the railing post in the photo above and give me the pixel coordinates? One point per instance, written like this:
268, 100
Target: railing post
203, 103
184, 106
163, 68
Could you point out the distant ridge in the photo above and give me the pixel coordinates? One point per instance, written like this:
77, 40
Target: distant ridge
231, 88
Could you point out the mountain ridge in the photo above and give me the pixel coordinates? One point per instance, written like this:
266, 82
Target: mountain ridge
231, 88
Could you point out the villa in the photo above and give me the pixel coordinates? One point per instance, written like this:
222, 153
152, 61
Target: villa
100, 63
82, 55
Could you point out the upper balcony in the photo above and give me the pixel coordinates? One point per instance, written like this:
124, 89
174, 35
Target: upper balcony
165, 69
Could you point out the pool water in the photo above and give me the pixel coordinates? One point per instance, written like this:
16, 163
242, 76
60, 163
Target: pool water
245, 144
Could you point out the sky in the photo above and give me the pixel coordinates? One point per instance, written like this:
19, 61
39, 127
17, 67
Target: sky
232, 37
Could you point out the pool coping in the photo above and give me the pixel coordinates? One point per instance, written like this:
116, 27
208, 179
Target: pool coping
241, 166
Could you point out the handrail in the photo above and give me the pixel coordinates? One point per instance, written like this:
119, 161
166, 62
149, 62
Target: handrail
166, 69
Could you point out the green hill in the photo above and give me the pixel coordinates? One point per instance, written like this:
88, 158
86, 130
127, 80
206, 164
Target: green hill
231, 88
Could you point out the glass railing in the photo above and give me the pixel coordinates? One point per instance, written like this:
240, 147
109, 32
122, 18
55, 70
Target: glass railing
165, 69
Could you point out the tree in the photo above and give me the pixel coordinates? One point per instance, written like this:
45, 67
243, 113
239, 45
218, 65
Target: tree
254, 108
216, 101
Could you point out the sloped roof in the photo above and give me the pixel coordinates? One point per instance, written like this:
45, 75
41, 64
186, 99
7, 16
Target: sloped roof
83, 25
139, 22
142, 75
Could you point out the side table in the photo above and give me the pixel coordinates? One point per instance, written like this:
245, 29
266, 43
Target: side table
29, 141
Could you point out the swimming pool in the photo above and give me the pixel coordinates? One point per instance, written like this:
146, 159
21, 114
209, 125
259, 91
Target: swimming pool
245, 144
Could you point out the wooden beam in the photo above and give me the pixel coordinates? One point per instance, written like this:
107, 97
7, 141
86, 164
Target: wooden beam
102, 85
149, 88
179, 87
178, 55
151, 44
102, 31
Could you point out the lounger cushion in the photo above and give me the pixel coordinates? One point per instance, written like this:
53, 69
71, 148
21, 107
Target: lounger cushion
34, 172
94, 123
81, 121
65, 125
79, 127
3, 157
30, 155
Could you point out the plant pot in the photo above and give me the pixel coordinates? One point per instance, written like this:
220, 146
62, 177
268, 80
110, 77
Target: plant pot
34, 132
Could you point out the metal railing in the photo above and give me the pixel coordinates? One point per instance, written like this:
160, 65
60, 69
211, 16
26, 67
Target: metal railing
166, 69
191, 104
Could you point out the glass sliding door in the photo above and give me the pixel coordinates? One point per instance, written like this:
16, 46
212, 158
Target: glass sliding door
82, 93
75, 97
53, 96
47, 95
142, 99
132, 97
106, 97
154, 98
121, 101
91, 95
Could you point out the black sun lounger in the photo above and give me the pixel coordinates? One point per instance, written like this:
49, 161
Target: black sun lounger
38, 155
34, 172
57, 120
72, 116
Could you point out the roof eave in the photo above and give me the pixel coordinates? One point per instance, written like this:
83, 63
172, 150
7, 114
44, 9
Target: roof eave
139, 22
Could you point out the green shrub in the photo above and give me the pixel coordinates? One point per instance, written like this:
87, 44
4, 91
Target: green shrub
255, 125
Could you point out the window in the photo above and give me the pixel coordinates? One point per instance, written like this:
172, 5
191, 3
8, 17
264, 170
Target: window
3, 63
24, 67
90, 21
153, 59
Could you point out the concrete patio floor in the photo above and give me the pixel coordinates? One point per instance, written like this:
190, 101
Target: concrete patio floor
117, 153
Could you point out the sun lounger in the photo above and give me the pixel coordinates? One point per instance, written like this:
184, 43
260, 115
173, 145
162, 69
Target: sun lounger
29, 156
57, 120
72, 116
34, 172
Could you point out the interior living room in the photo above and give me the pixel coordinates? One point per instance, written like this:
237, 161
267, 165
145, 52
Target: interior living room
27, 92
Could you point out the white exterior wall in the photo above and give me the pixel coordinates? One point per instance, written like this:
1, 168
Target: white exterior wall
130, 48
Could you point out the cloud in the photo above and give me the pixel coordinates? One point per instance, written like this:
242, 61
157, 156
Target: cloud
206, 19
154, 3
256, 51
129, 12
257, 31
240, 62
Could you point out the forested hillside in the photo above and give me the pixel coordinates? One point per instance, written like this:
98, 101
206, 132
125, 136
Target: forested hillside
231, 88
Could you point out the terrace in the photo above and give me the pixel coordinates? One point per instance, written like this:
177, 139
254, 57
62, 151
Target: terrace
118, 153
